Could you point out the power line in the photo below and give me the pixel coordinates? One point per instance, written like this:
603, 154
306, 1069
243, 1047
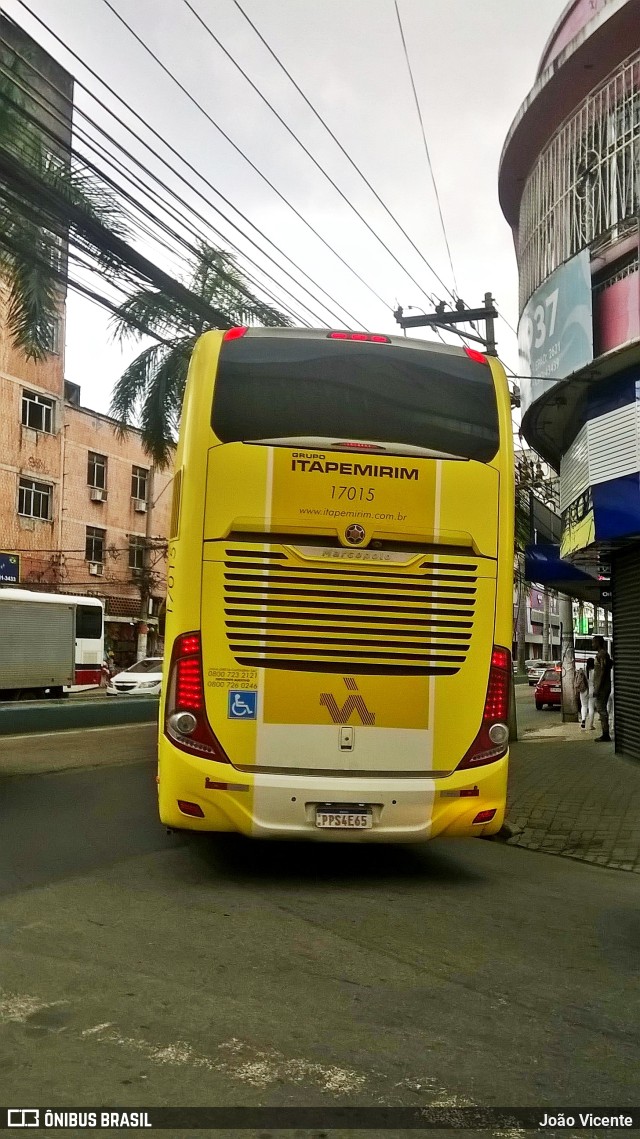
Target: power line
424, 139
301, 144
63, 211
343, 150
54, 112
239, 151
142, 226
189, 166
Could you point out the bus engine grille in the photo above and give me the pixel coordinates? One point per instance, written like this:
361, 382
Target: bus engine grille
280, 613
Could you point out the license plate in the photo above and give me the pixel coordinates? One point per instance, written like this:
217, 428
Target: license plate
555, 688
352, 818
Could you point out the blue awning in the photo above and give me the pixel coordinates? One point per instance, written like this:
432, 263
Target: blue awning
544, 566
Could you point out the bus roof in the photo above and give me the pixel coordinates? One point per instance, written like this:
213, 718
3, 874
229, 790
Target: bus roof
55, 598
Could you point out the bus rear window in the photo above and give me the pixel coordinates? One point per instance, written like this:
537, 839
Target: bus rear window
275, 387
89, 622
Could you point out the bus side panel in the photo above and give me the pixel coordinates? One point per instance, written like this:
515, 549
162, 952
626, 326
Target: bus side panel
184, 561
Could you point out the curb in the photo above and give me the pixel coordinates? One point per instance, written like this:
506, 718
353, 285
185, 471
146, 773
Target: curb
506, 833
19, 718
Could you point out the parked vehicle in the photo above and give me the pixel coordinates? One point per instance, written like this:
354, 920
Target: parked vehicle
37, 645
538, 668
144, 678
583, 649
549, 689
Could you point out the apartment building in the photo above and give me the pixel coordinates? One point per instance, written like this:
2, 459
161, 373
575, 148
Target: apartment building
80, 508
80, 505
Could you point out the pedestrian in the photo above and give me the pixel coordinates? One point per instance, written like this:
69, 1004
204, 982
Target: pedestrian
581, 689
602, 686
591, 705
610, 702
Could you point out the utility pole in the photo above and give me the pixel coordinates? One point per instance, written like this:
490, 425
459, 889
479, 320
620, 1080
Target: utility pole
567, 657
145, 579
546, 652
521, 622
446, 319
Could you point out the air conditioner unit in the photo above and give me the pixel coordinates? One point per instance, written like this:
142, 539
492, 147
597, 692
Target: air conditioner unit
96, 568
97, 494
140, 506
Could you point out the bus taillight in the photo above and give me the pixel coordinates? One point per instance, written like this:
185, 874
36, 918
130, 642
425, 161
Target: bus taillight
186, 722
492, 740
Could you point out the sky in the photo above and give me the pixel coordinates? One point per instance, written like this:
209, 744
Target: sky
473, 64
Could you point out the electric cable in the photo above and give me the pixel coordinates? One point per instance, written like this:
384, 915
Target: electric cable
189, 166
192, 99
300, 143
342, 148
51, 110
424, 139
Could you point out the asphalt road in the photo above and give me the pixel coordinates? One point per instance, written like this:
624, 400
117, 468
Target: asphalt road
140, 969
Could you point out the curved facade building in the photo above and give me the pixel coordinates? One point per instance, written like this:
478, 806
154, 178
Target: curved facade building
569, 187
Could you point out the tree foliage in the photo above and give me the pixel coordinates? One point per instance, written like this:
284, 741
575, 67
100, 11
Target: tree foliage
34, 239
149, 393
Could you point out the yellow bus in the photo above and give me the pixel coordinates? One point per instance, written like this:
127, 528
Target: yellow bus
340, 590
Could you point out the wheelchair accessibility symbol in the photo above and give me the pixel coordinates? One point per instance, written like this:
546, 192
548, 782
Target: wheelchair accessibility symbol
243, 705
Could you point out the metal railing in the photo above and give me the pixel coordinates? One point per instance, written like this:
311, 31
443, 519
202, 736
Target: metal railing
585, 185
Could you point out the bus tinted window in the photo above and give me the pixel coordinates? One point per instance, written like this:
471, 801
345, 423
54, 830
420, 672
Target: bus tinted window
89, 621
271, 387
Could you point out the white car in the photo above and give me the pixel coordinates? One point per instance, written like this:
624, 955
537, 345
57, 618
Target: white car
144, 678
536, 669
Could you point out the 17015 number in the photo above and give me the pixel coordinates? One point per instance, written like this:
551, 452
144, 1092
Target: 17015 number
353, 493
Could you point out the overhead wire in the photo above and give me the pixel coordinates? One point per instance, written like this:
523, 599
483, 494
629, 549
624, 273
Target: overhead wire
300, 143
143, 227
344, 151
425, 142
192, 99
54, 112
191, 168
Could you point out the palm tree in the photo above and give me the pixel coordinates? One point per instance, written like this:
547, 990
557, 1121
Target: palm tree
39, 179
150, 390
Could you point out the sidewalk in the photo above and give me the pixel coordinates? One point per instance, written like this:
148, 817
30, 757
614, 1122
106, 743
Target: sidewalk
571, 796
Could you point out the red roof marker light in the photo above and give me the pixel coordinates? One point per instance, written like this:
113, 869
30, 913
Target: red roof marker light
473, 354
372, 337
234, 333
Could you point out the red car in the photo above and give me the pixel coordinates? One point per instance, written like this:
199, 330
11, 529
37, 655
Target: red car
549, 689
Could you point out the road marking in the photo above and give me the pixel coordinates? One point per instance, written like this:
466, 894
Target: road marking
249, 1065
241, 1061
16, 1007
77, 731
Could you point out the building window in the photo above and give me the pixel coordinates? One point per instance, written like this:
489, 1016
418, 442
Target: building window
139, 476
136, 552
97, 470
34, 499
37, 412
53, 336
94, 548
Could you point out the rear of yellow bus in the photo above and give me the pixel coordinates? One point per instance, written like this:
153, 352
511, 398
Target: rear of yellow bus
339, 604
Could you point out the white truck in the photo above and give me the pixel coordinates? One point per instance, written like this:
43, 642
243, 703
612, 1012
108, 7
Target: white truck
37, 647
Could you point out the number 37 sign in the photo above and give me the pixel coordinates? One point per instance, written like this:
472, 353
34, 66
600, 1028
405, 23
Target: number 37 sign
555, 333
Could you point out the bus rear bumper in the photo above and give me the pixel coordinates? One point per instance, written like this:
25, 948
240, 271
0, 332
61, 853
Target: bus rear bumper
409, 809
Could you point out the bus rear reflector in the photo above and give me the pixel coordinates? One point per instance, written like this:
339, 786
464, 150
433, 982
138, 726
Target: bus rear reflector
484, 816
234, 333
192, 809
492, 740
185, 694
372, 337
